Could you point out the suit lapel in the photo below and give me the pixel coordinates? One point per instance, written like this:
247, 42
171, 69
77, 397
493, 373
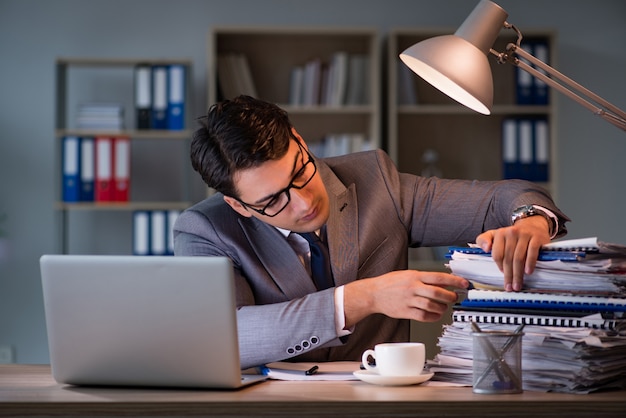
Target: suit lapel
341, 229
278, 258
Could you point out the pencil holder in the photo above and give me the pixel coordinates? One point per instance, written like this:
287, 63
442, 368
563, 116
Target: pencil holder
497, 364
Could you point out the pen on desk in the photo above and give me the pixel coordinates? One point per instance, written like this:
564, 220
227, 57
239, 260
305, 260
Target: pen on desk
311, 371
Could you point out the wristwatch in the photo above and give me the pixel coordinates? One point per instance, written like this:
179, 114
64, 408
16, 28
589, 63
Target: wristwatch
533, 210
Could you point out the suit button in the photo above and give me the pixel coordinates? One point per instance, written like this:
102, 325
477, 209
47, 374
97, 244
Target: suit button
314, 340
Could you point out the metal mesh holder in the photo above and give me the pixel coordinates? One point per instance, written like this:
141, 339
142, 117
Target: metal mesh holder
497, 364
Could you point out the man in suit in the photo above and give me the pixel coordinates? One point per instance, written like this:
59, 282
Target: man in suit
270, 187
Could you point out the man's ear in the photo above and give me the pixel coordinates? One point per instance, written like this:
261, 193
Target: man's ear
237, 206
297, 135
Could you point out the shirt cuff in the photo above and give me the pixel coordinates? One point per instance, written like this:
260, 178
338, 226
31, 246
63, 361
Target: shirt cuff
555, 219
340, 317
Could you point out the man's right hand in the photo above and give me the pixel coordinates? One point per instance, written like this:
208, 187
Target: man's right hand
407, 294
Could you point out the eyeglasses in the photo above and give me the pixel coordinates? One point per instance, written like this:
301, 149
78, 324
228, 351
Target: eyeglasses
280, 200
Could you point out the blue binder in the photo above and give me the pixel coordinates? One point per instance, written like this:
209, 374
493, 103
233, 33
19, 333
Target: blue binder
87, 169
71, 169
544, 255
176, 97
524, 82
526, 141
510, 149
542, 150
540, 89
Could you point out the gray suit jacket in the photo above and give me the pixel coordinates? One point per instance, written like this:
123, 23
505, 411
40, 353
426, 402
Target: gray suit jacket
376, 213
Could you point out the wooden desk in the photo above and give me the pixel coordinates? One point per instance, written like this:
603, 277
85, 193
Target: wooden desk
31, 390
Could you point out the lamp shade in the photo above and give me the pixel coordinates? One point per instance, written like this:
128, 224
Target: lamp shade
457, 64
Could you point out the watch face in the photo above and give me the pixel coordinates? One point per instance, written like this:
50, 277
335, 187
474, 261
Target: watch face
523, 212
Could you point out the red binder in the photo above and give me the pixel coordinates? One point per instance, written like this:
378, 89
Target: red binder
104, 166
121, 169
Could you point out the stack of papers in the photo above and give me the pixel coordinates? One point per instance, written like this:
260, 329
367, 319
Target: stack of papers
585, 266
572, 308
554, 359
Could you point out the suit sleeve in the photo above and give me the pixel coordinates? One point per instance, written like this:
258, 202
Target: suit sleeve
449, 212
269, 330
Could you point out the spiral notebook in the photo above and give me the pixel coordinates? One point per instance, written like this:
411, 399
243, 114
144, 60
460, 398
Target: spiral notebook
478, 298
538, 318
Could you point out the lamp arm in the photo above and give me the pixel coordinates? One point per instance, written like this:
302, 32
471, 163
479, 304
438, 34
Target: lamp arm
605, 110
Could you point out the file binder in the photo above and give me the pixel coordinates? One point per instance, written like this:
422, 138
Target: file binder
159, 97
141, 232
87, 169
121, 173
526, 140
540, 89
104, 167
542, 150
510, 153
71, 169
158, 232
172, 215
143, 95
176, 97
524, 81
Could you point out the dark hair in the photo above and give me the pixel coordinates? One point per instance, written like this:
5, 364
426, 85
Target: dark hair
238, 134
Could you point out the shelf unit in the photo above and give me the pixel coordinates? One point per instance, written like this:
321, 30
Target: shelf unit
468, 144
153, 187
272, 53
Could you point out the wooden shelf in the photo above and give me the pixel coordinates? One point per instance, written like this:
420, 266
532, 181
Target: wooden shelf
272, 54
117, 62
132, 133
160, 168
123, 206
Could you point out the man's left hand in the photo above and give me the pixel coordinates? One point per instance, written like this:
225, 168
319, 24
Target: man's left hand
515, 248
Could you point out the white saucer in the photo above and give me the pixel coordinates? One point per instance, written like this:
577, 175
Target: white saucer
375, 378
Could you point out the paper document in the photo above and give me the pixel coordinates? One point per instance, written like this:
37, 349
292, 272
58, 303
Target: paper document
336, 370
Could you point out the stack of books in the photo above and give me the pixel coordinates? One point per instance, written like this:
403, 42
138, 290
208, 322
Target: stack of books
100, 116
333, 145
235, 76
572, 311
339, 81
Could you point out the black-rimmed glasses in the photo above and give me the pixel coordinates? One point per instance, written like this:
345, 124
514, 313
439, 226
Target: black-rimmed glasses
280, 200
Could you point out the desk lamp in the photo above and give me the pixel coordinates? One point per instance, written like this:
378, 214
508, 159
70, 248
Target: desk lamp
458, 65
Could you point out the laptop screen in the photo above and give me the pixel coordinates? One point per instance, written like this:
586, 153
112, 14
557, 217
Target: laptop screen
141, 320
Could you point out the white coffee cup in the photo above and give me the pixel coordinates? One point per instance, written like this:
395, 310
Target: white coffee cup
396, 359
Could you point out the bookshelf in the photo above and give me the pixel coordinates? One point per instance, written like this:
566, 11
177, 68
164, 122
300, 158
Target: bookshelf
469, 145
158, 167
273, 53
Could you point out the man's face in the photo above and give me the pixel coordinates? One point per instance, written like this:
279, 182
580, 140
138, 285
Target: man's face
308, 207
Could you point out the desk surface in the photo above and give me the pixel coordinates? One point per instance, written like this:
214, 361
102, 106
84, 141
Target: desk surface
30, 390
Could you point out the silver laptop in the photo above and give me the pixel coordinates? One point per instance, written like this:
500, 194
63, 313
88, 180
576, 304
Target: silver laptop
142, 321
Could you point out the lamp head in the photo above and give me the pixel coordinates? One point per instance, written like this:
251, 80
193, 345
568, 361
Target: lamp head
457, 64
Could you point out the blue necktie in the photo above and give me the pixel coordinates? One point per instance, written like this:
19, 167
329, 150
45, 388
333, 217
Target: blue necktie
320, 261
